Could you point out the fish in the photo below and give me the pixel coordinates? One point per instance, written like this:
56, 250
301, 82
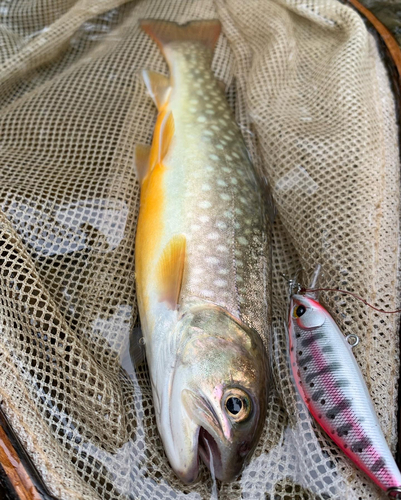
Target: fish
332, 387
201, 263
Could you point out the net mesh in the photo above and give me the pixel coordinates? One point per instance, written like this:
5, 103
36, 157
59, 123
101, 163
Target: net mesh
312, 98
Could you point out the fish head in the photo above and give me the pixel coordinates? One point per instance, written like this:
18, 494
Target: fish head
218, 396
306, 314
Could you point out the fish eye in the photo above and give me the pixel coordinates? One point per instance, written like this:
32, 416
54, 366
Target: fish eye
238, 405
299, 311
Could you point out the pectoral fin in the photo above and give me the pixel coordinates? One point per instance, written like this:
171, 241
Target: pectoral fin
170, 271
158, 86
142, 153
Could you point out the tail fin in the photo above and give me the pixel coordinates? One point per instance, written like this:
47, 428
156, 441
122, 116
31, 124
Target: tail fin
164, 32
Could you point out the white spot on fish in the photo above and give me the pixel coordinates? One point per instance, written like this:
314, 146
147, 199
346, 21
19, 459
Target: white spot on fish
219, 146
197, 270
212, 260
213, 157
195, 227
226, 170
209, 168
204, 204
242, 199
239, 263
201, 118
223, 271
222, 248
207, 293
227, 213
239, 279
220, 182
220, 283
206, 187
192, 110
210, 111
204, 218
242, 240
221, 225
238, 211
213, 236
202, 248
208, 132
234, 180
225, 196
238, 253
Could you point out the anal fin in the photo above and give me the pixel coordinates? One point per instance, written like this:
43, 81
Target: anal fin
170, 271
142, 154
158, 86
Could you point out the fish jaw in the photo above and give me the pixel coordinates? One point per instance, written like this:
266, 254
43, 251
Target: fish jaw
180, 442
194, 431
217, 446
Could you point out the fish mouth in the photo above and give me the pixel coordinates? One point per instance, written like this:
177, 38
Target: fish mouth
209, 441
209, 452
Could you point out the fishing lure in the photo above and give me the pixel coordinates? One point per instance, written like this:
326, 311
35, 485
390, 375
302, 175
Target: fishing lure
332, 387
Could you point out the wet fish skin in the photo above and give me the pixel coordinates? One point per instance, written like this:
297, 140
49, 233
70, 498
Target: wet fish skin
331, 385
202, 252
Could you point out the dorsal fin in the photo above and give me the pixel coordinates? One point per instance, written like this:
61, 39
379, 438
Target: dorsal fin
170, 271
142, 153
158, 86
164, 32
166, 135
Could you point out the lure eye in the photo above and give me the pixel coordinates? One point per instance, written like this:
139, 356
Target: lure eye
299, 311
237, 404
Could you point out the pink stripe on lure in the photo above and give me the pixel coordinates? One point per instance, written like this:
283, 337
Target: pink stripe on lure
332, 387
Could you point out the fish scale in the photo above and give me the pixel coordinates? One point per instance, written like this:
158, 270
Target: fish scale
223, 214
331, 385
202, 250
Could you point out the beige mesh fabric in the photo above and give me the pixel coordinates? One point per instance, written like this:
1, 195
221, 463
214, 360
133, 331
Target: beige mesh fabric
312, 98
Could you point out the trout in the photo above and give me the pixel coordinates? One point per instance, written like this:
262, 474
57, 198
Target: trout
201, 263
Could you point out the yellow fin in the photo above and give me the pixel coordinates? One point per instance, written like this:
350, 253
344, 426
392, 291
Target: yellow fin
142, 153
158, 86
170, 271
166, 135
164, 32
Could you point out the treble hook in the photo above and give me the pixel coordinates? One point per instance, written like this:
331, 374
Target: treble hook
293, 286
